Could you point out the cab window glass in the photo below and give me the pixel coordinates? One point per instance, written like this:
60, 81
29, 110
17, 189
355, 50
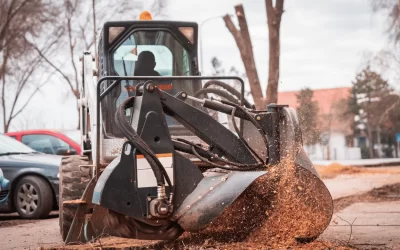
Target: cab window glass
151, 53
127, 63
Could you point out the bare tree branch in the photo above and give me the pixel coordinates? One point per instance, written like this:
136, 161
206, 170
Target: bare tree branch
279, 7
270, 10
21, 84
57, 69
37, 89
386, 112
244, 30
392, 10
83, 31
243, 42
3, 87
351, 227
274, 16
231, 27
72, 44
82, 20
20, 20
10, 16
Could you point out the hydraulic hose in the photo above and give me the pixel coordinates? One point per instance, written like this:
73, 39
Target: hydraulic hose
186, 148
219, 92
252, 120
230, 89
230, 93
238, 166
159, 171
241, 137
249, 167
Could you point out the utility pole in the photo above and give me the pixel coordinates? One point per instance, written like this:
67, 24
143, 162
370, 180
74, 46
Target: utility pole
94, 28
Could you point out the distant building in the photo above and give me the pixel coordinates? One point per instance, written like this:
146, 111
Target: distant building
336, 133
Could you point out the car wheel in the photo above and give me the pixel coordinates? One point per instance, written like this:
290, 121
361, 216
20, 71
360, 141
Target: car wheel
73, 182
33, 198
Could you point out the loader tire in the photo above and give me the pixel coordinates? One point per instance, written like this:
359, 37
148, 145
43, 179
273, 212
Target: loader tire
73, 182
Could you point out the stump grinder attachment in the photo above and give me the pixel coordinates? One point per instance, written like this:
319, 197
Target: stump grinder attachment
161, 159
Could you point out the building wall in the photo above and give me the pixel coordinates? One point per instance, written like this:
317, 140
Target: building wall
314, 152
337, 143
335, 150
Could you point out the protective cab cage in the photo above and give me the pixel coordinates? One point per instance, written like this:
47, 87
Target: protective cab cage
117, 80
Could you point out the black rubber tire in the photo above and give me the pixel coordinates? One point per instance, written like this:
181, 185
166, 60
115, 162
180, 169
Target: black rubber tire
45, 195
73, 182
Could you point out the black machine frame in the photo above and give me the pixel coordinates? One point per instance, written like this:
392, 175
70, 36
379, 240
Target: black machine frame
118, 79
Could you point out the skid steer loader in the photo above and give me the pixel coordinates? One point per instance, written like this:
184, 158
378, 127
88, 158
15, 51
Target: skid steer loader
167, 151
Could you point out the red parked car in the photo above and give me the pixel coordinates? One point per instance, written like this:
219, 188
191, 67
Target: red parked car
55, 142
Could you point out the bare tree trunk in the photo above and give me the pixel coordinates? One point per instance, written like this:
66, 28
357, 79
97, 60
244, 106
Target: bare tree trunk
3, 104
370, 143
378, 142
79, 118
243, 42
72, 44
274, 16
71, 50
3, 88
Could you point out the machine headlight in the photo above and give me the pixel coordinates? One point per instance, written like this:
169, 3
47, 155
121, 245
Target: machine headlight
58, 175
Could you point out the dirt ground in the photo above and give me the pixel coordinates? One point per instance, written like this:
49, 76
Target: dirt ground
31, 234
334, 170
17, 233
13, 219
386, 193
118, 243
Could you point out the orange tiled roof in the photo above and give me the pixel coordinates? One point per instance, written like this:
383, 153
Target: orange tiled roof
326, 99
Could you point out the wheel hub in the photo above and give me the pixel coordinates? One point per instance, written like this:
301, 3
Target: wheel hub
27, 198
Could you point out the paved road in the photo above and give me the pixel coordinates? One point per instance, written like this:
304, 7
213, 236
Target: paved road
367, 225
361, 162
46, 232
346, 185
32, 235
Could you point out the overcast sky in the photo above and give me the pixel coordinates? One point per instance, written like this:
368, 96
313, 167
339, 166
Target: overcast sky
322, 46
321, 41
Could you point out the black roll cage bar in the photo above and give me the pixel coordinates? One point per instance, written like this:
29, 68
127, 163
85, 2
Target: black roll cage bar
117, 80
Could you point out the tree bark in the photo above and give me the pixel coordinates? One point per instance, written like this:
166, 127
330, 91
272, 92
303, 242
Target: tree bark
370, 142
3, 89
243, 42
274, 16
3, 103
378, 141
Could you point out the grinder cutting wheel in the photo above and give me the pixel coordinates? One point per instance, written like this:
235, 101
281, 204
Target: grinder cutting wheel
157, 163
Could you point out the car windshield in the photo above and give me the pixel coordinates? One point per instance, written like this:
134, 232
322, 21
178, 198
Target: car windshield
9, 145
